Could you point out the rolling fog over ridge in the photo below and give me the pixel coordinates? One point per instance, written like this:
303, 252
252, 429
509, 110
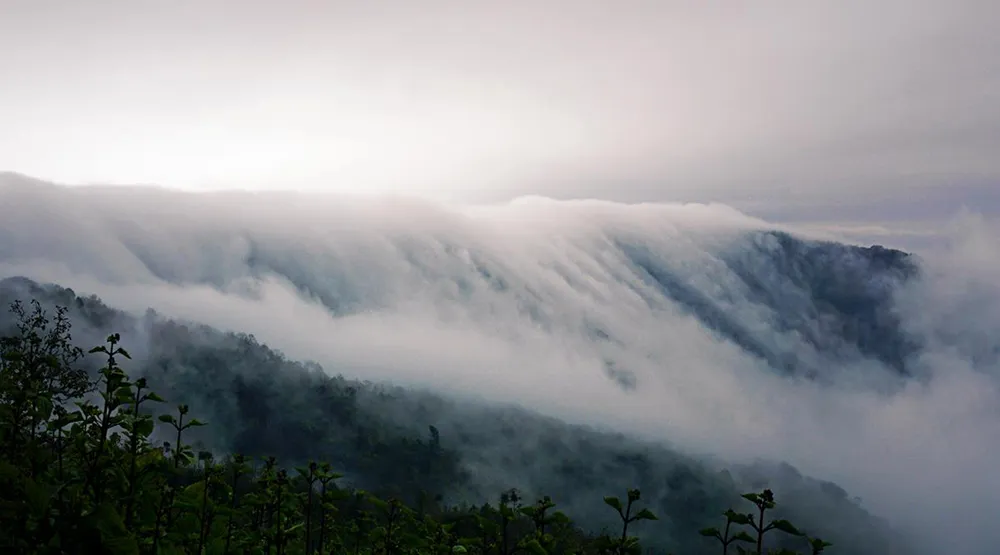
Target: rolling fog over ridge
691, 324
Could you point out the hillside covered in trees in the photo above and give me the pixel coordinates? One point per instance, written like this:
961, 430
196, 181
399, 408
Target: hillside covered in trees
434, 456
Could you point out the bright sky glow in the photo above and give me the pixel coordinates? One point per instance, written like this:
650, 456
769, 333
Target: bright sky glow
809, 103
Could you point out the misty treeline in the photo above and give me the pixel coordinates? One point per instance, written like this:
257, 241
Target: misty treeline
80, 473
426, 450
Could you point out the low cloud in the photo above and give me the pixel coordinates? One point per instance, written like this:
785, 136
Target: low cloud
530, 301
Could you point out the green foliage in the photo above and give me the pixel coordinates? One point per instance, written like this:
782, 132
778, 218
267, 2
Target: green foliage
625, 544
80, 472
762, 502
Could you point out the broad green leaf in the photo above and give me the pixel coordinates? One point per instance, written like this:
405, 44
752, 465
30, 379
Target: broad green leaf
38, 496
217, 546
535, 548
786, 527
67, 419
194, 491
8, 471
737, 518
614, 503
114, 536
645, 514
818, 545
144, 427
123, 545
710, 533
153, 397
168, 549
44, 407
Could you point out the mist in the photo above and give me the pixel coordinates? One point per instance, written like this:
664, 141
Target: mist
534, 302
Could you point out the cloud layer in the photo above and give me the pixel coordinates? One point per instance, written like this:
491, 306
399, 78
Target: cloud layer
841, 105
535, 302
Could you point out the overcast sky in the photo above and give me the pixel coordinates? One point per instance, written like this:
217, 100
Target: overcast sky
841, 110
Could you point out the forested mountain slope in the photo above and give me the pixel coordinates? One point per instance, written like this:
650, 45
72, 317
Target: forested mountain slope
414, 443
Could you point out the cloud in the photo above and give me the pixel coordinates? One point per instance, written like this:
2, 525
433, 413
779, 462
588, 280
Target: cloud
532, 301
763, 105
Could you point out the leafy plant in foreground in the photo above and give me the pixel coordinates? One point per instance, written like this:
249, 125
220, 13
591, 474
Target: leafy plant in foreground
763, 502
724, 537
625, 543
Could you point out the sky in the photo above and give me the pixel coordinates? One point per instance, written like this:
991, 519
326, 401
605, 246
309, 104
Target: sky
841, 113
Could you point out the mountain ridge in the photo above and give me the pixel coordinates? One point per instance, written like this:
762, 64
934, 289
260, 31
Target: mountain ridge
255, 395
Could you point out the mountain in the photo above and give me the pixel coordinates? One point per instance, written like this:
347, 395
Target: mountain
569, 349
408, 442
835, 298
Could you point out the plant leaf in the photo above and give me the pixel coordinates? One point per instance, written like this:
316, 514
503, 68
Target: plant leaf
115, 538
786, 527
710, 533
613, 502
153, 397
743, 537
645, 514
